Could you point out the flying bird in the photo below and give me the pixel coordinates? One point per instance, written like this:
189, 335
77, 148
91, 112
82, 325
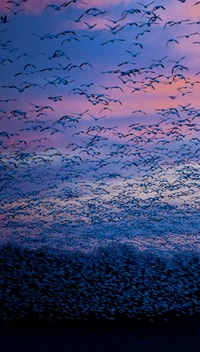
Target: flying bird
112, 41
90, 26
15, 2
171, 41
14, 12
142, 33
146, 6
133, 55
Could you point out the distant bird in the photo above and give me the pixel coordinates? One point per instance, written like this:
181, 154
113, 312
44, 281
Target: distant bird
90, 37
117, 87
126, 63
69, 40
85, 64
172, 40
140, 111
53, 6
90, 26
24, 54
88, 85
157, 7
43, 36
57, 98
77, 20
73, 2
111, 27
145, 6
187, 35
97, 118
59, 53
160, 60
3, 29
29, 65
4, 20
179, 67
112, 41
16, 3
21, 73
133, 55
115, 21
136, 43
2, 61
173, 23
7, 100
142, 33
177, 61
94, 11
14, 12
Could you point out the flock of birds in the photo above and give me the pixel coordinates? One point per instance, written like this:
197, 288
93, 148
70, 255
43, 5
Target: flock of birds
53, 288
116, 170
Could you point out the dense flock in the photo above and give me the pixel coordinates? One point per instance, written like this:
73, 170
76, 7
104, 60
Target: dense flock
119, 283
99, 148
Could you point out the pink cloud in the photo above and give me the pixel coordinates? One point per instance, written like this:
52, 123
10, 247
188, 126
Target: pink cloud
38, 6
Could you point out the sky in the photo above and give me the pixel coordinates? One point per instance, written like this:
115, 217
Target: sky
99, 122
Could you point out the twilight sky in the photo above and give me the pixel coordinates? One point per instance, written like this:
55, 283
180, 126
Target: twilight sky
99, 122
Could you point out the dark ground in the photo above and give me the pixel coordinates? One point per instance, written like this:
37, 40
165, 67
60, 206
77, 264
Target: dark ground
171, 338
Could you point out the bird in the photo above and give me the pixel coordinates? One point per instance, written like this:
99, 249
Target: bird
172, 97
146, 6
73, 2
69, 40
140, 111
7, 100
24, 54
14, 12
171, 40
85, 64
177, 61
59, 53
3, 21
157, 7
179, 67
187, 35
90, 37
15, 2
53, 6
173, 23
5, 60
95, 11
97, 118
77, 20
42, 37
55, 99
134, 55
90, 26
142, 33
136, 43
112, 41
